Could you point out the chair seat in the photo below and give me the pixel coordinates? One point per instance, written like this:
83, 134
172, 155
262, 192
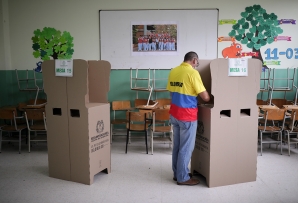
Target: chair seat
292, 140
162, 128
288, 127
269, 128
37, 127
12, 128
138, 127
118, 121
269, 140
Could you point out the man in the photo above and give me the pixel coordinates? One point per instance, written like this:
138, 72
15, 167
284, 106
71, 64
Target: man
140, 43
185, 85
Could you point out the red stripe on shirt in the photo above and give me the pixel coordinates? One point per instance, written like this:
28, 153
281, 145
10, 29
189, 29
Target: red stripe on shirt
184, 114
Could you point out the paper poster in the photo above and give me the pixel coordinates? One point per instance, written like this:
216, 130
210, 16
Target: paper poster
64, 67
238, 67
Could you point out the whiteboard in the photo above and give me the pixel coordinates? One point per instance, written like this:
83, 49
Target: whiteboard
197, 30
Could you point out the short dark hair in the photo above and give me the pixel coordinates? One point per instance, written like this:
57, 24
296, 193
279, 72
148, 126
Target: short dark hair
190, 56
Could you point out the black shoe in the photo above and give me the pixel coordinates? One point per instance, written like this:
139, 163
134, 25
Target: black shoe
190, 175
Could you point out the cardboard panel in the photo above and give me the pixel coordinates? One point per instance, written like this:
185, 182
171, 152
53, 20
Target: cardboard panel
99, 138
77, 148
248, 123
204, 70
78, 122
57, 122
201, 154
231, 126
99, 81
223, 87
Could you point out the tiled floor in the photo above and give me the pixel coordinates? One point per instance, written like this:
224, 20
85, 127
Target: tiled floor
138, 177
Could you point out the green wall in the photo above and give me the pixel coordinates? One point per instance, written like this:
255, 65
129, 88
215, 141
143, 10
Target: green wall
9, 91
120, 88
280, 80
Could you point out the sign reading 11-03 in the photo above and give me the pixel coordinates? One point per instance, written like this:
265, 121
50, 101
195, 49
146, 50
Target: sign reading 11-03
274, 54
238, 67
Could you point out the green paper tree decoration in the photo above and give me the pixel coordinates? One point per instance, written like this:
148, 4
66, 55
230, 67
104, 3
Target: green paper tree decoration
256, 28
52, 43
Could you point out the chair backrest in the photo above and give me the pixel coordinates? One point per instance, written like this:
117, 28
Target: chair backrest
271, 115
261, 102
278, 102
162, 102
275, 114
38, 101
7, 114
35, 115
294, 115
148, 111
161, 114
121, 105
139, 102
136, 118
294, 119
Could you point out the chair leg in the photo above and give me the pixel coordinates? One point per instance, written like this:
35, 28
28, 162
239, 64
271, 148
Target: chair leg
29, 143
289, 144
280, 142
151, 143
0, 140
146, 141
20, 134
127, 135
261, 137
111, 131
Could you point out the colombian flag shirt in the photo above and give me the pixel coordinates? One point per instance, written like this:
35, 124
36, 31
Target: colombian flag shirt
185, 84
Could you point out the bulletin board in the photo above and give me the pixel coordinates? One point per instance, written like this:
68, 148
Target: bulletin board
264, 32
123, 31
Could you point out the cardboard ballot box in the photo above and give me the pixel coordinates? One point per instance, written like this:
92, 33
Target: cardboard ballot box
78, 120
226, 142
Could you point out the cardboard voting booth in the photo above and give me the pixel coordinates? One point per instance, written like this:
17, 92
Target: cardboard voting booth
78, 119
226, 141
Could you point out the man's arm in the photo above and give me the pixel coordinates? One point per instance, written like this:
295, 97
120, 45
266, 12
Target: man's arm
205, 96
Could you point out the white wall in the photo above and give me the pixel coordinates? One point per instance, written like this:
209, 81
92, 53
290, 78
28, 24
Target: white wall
81, 19
2, 58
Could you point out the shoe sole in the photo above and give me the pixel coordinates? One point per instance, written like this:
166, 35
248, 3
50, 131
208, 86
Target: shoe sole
189, 184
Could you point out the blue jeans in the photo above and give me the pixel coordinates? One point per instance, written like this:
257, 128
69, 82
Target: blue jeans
184, 142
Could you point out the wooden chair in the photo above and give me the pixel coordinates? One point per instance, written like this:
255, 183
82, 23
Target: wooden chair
118, 106
261, 102
137, 122
291, 129
271, 128
10, 114
139, 102
278, 102
260, 113
37, 102
163, 102
161, 115
36, 122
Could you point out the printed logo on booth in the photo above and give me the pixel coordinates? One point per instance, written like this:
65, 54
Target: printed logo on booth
99, 126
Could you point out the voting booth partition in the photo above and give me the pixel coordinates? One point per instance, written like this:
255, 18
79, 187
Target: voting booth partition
78, 120
227, 135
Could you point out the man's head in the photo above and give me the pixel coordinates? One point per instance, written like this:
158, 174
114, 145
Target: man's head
192, 59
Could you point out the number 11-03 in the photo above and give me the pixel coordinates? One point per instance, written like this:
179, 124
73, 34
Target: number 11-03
288, 53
